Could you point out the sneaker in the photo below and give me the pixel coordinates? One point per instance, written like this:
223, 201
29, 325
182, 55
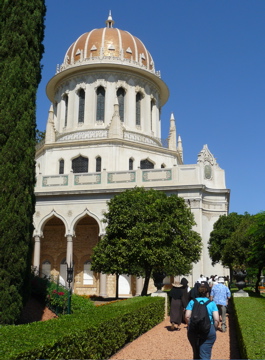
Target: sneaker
172, 326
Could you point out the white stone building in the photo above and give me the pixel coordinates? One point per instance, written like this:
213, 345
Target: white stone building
102, 137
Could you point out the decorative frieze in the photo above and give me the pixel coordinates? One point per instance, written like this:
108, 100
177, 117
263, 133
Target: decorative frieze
87, 179
121, 177
84, 135
56, 180
132, 136
157, 175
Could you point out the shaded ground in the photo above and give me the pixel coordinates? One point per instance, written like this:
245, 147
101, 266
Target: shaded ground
35, 311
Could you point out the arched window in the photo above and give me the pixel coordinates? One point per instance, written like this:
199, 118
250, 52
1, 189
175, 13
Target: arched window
61, 166
81, 110
80, 165
130, 164
146, 164
163, 166
120, 96
138, 109
151, 112
87, 274
65, 99
98, 164
100, 103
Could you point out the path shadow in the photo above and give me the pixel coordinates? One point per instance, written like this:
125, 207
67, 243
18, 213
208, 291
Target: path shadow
234, 348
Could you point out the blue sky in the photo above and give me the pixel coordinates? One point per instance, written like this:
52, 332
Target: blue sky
211, 54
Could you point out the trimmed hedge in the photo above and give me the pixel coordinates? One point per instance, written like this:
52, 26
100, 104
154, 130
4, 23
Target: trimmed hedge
94, 333
250, 322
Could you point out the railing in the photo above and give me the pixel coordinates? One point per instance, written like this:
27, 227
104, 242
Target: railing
177, 175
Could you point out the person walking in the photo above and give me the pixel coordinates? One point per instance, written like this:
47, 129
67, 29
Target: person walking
185, 297
176, 305
220, 294
202, 344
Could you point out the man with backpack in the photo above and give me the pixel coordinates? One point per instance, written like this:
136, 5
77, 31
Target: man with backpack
202, 318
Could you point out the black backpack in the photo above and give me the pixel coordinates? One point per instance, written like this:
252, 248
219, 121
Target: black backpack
200, 322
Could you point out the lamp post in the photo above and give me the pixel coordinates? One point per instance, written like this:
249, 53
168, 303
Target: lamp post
70, 272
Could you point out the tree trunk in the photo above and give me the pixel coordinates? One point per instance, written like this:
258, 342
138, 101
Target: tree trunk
117, 286
258, 280
146, 282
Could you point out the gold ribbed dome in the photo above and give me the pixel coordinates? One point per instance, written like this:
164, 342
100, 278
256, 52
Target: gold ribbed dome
111, 44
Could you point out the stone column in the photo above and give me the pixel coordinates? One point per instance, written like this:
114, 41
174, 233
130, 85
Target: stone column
69, 250
139, 286
36, 259
103, 285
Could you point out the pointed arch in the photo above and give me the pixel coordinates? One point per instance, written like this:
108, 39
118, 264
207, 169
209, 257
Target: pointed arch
147, 164
80, 164
80, 216
48, 217
98, 164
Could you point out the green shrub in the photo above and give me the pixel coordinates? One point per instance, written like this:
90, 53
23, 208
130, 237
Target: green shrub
57, 298
250, 322
81, 304
97, 333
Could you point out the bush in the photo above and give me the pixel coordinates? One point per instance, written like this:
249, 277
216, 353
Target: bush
81, 304
57, 298
97, 333
250, 320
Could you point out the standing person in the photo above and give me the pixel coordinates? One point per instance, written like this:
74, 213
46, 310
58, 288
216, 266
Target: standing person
220, 294
202, 344
185, 297
186, 289
194, 291
176, 307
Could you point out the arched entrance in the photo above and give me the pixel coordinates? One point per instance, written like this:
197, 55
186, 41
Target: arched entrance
86, 237
53, 249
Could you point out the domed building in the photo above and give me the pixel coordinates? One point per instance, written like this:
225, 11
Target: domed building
103, 136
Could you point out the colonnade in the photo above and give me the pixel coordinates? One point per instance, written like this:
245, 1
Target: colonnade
69, 260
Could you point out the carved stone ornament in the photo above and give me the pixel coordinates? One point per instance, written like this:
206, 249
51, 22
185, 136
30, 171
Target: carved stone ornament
208, 172
206, 157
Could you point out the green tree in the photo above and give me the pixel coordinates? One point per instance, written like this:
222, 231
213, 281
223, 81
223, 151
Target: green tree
220, 236
147, 231
256, 254
237, 246
21, 49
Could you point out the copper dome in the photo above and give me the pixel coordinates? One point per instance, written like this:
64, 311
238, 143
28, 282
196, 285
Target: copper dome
110, 44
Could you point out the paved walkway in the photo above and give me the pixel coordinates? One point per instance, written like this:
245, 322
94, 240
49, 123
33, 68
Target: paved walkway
160, 343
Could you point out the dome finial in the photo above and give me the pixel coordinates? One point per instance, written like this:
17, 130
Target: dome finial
109, 21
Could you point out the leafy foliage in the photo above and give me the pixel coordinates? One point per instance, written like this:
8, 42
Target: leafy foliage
238, 241
40, 135
21, 34
250, 318
223, 229
57, 297
97, 333
147, 231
